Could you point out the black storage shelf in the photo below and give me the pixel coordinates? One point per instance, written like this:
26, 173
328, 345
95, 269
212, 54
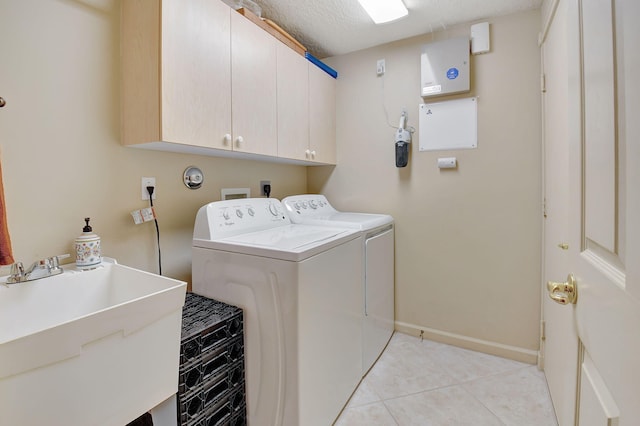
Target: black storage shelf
211, 386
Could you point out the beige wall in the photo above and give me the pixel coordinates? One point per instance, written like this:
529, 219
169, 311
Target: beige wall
60, 142
467, 240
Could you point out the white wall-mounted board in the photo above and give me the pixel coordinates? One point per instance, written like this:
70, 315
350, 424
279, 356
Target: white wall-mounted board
449, 125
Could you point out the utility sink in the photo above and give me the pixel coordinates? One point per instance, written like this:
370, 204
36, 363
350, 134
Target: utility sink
98, 347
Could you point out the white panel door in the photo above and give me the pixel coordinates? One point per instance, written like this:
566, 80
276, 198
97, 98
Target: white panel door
604, 207
559, 346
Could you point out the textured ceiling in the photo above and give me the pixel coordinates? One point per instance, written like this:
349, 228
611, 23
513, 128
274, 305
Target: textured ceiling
335, 27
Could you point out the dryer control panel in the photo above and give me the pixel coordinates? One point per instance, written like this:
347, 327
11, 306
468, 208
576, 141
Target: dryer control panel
308, 206
221, 219
314, 209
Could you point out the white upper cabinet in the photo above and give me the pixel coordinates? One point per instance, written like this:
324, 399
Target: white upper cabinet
200, 78
293, 104
254, 107
176, 72
322, 116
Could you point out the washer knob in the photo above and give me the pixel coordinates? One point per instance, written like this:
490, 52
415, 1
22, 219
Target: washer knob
239, 213
313, 204
273, 209
251, 211
226, 215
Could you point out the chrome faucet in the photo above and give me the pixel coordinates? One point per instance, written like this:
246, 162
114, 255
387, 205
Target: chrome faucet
39, 269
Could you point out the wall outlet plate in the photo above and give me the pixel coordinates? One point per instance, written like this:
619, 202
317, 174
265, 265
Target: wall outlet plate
262, 184
380, 67
148, 181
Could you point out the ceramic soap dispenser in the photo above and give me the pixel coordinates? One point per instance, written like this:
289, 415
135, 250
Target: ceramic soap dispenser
88, 254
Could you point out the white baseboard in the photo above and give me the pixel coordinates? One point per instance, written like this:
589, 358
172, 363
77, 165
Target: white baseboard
492, 348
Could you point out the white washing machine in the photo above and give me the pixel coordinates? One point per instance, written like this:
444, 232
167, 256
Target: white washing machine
299, 288
377, 241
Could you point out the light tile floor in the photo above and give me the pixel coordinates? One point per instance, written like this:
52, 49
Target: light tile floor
425, 383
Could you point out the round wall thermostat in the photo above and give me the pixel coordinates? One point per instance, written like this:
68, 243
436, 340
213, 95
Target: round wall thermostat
193, 177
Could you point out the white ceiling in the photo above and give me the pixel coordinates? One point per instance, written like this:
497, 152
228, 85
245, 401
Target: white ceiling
335, 27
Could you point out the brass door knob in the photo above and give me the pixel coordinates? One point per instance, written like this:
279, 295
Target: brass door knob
563, 293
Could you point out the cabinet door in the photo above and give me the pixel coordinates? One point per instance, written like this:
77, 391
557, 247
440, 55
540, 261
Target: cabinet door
196, 72
322, 116
253, 84
293, 104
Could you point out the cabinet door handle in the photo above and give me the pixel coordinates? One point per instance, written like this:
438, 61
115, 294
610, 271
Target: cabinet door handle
313, 155
226, 139
307, 153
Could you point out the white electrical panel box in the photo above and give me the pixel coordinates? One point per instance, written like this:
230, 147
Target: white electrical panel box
449, 125
445, 67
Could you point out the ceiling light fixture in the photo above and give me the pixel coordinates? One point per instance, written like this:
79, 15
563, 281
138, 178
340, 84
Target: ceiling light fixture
382, 11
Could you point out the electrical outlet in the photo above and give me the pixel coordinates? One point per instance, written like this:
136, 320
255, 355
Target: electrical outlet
380, 67
262, 184
148, 181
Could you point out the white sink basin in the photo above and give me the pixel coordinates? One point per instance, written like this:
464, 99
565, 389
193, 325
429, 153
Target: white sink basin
94, 347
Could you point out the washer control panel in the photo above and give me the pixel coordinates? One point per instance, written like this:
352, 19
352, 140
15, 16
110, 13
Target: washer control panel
227, 218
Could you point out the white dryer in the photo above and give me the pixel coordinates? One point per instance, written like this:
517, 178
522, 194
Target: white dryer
299, 289
377, 242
